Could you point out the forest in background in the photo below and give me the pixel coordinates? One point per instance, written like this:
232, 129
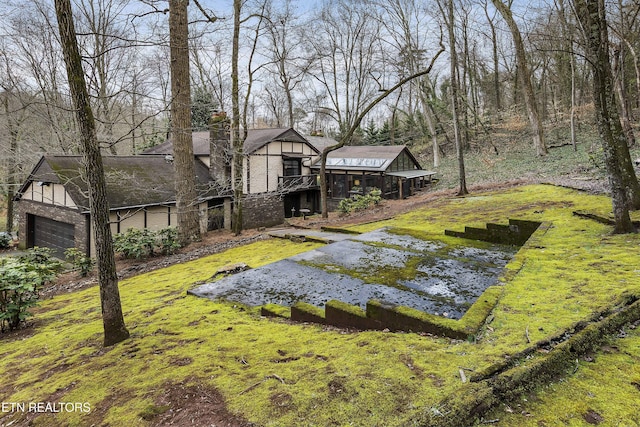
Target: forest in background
313, 68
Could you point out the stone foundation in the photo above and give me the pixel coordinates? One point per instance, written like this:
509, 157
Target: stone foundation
263, 210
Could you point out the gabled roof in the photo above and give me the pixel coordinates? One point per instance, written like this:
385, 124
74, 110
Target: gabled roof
132, 181
376, 158
256, 139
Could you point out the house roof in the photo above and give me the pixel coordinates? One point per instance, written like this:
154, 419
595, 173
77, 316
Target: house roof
200, 145
320, 142
375, 158
256, 139
132, 181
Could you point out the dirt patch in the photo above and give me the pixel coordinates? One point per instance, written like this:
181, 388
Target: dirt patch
390, 208
592, 417
190, 403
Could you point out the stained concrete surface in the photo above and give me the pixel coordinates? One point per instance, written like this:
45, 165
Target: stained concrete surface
442, 279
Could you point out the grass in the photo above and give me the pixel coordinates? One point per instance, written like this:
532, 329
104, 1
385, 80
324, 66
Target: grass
274, 373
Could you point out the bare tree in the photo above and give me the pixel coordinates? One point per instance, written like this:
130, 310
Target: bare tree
112, 318
239, 126
494, 55
404, 21
236, 140
286, 61
346, 137
11, 158
344, 42
447, 11
626, 29
16, 111
37, 56
529, 94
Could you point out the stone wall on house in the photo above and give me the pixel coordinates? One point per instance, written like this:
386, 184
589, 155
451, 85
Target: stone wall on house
57, 213
263, 210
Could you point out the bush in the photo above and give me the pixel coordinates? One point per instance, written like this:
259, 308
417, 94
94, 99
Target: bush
168, 239
5, 240
21, 279
80, 261
135, 243
596, 159
140, 243
359, 203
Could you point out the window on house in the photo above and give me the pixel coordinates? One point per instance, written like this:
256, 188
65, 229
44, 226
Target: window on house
292, 167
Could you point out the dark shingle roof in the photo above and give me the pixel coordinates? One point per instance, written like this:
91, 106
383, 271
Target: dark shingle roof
320, 142
132, 181
200, 145
258, 138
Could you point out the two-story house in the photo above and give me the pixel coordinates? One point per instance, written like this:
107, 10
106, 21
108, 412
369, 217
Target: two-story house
280, 180
277, 177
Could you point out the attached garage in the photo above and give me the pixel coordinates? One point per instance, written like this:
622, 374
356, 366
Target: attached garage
53, 206
49, 233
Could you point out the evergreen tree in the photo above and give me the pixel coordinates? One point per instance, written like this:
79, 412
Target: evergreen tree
202, 106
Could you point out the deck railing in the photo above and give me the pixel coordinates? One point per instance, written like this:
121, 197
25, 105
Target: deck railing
298, 182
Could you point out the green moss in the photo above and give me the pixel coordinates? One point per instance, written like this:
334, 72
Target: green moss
149, 412
478, 312
276, 310
374, 273
353, 310
310, 308
574, 271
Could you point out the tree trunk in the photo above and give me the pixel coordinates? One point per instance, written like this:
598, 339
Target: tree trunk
494, 55
591, 15
185, 185
11, 163
237, 142
112, 318
529, 95
573, 103
455, 104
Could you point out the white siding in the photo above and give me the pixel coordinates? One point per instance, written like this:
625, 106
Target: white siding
264, 166
52, 194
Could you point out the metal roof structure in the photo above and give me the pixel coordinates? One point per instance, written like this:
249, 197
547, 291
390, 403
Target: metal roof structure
373, 158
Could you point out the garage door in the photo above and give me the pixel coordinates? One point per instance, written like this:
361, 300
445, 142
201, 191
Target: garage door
52, 234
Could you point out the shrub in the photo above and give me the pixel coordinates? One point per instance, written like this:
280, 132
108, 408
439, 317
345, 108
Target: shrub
5, 240
140, 243
168, 240
21, 279
359, 203
135, 243
80, 261
596, 159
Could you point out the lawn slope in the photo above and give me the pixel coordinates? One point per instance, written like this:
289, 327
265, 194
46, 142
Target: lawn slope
273, 373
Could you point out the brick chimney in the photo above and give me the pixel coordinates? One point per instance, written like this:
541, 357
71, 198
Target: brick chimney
220, 149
